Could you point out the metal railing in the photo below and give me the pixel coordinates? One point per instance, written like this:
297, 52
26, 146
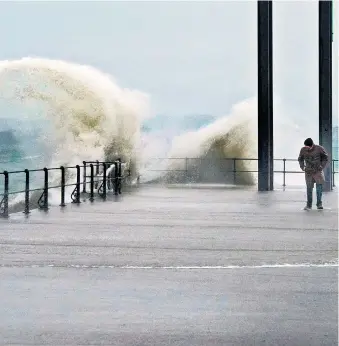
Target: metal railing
94, 178
190, 164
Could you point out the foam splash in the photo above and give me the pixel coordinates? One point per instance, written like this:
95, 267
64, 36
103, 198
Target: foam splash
233, 136
90, 117
215, 146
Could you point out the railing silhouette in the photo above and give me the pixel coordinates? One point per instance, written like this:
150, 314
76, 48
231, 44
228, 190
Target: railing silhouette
94, 179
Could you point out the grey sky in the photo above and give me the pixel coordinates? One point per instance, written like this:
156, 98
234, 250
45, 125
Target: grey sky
191, 57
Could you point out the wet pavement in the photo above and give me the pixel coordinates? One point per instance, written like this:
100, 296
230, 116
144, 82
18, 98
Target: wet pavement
172, 266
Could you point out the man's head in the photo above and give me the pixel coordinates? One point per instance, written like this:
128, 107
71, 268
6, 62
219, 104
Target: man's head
308, 142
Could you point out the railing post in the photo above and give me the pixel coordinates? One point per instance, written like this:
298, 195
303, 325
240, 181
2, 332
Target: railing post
284, 173
201, 160
26, 211
45, 193
91, 198
97, 167
186, 170
63, 183
4, 202
84, 178
333, 173
234, 171
78, 183
104, 183
116, 178
119, 176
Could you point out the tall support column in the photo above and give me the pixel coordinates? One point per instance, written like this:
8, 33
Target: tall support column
271, 145
325, 84
265, 97
335, 71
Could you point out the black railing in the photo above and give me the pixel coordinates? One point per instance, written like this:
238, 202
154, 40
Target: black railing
189, 164
97, 175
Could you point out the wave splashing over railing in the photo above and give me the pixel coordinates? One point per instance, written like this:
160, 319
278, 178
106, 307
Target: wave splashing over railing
92, 118
89, 115
214, 147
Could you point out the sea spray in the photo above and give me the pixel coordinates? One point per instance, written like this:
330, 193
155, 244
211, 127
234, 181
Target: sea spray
211, 158
86, 108
89, 115
226, 150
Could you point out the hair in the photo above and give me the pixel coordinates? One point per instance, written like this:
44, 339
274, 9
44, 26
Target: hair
308, 142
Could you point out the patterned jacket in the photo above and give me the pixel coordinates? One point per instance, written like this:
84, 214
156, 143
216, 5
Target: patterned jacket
313, 161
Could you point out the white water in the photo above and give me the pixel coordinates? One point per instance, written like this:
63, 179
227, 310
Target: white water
86, 108
90, 117
235, 136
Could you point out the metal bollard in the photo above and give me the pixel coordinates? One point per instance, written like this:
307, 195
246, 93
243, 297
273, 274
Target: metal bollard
26, 211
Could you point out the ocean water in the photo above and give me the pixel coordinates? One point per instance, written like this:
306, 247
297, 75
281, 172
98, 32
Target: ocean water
62, 113
31, 150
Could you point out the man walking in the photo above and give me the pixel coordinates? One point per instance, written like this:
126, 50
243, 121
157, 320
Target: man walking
312, 160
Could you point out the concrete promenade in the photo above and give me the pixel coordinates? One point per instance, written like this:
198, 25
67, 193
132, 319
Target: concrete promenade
172, 266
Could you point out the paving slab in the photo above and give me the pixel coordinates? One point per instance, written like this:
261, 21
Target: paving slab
172, 266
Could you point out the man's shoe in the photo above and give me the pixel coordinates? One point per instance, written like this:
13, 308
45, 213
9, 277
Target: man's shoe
308, 207
320, 206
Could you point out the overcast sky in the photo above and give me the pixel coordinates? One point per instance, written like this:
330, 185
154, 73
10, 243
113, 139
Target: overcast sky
191, 57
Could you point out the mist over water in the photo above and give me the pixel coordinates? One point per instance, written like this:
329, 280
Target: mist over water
78, 113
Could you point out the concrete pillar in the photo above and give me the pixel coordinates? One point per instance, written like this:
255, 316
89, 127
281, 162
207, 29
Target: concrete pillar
265, 96
325, 84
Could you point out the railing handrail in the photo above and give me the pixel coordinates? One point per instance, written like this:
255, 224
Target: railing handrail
222, 158
156, 158
235, 171
98, 181
58, 168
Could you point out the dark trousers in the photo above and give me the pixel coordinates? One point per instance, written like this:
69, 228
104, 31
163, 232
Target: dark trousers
319, 191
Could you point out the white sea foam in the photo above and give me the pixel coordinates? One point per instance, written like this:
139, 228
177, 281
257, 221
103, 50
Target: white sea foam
91, 118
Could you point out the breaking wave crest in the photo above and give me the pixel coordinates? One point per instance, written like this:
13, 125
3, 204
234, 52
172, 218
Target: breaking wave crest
89, 117
211, 150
